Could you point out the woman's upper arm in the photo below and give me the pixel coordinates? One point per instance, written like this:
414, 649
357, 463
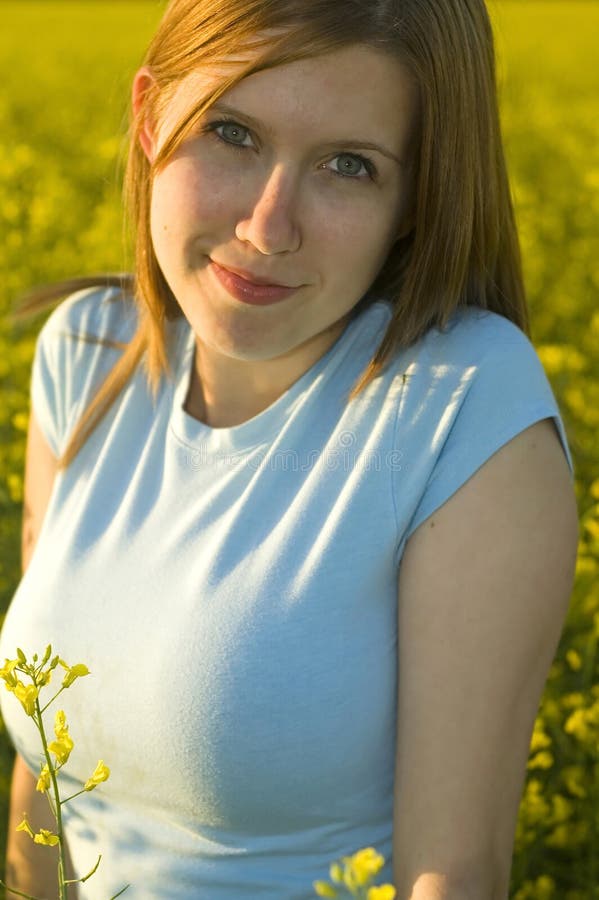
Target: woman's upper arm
40, 471
484, 588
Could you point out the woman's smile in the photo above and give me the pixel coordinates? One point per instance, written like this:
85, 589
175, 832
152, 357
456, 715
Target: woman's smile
249, 291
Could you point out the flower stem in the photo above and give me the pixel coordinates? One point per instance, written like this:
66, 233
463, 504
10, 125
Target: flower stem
57, 811
52, 700
72, 797
15, 891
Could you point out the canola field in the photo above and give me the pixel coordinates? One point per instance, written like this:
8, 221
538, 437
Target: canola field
65, 69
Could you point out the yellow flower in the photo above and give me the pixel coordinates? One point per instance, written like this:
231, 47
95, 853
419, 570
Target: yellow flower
10, 679
73, 672
25, 826
43, 782
7, 669
101, 773
349, 876
383, 892
27, 696
575, 779
542, 760
324, 889
573, 659
60, 723
63, 744
336, 873
46, 837
61, 748
44, 678
364, 865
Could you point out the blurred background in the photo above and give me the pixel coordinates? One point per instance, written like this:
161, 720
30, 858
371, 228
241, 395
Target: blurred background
65, 70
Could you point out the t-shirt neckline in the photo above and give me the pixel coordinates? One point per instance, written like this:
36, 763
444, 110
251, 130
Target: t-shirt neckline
262, 428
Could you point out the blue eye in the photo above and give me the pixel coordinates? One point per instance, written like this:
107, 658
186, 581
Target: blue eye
231, 133
353, 166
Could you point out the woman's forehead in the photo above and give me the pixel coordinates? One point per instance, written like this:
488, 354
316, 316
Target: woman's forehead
355, 84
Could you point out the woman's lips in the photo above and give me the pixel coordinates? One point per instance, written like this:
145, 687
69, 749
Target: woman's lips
247, 291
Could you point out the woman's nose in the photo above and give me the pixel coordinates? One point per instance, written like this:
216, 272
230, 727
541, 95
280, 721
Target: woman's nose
271, 224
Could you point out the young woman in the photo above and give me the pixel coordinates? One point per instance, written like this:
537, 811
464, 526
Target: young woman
300, 493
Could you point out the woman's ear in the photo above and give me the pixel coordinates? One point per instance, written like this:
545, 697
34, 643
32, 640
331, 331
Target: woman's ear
142, 83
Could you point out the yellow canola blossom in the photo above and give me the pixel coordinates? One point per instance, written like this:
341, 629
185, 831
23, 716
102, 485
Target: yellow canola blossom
61, 749
43, 782
6, 672
362, 866
45, 678
583, 724
576, 780
60, 723
383, 892
73, 672
48, 838
355, 873
63, 744
25, 826
324, 889
45, 837
542, 760
101, 773
27, 695
540, 739
336, 873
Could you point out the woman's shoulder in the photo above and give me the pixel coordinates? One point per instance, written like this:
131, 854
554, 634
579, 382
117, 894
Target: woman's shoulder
472, 334
96, 313
469, 336
479, 353
474, 347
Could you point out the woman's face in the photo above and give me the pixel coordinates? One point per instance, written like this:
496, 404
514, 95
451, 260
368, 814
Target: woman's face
276, 183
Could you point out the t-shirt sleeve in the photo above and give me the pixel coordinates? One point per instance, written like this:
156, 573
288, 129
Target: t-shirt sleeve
47, 404
69, 360
487, 404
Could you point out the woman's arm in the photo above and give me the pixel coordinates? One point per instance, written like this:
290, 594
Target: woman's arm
484, 589
30, 867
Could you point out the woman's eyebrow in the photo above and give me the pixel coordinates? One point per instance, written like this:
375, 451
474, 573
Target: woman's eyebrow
349, 142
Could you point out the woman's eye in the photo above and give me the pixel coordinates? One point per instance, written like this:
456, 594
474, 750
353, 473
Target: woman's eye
232, 133
349, 165
345, 165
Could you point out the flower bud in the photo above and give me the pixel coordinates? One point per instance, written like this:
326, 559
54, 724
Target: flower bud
324, 889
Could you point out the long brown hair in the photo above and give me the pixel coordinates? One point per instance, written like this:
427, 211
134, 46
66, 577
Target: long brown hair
463, 248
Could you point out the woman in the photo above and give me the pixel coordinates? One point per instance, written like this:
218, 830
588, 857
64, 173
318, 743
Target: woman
306, 493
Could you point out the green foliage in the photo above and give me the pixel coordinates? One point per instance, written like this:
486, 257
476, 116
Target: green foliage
66, 69
549, 88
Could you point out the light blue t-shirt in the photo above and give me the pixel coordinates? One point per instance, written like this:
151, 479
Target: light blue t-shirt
234, 594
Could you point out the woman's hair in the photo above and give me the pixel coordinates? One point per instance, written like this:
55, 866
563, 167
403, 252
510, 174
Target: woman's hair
463, 247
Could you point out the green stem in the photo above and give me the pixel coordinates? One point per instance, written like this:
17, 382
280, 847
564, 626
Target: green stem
57, 694
85, 877
57, 812
15, 891
72, 797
